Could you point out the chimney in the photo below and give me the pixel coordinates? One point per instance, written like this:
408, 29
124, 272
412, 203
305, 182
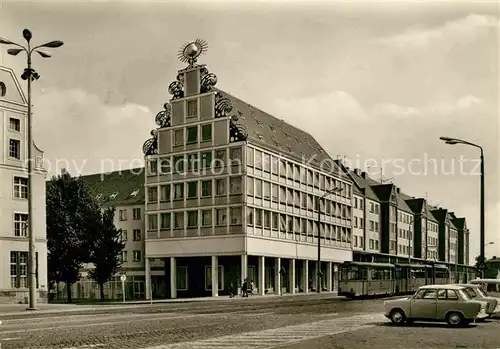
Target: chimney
357, 171
397, 190
363, 174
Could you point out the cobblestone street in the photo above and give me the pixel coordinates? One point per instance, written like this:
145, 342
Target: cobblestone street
258, 323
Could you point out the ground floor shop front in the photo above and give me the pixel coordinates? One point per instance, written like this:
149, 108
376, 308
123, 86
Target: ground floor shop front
187, 277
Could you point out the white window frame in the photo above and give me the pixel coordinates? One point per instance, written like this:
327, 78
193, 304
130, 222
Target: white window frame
134, 259
134, 234
19, 186
17, 122
208, 269
178, 269
20, 222
18, 157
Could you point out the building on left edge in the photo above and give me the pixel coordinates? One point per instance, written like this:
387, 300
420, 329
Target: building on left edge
14, 197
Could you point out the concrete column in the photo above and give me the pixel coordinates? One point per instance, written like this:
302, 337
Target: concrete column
215, 276
262, 275
329, 275
173, 277
335, 278
147, 277
244, 268
277, 275
292, 275
306, 276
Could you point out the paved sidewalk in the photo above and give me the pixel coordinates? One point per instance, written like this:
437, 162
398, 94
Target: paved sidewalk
54, 308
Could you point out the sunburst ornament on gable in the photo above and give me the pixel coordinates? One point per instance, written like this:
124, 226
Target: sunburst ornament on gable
190, 51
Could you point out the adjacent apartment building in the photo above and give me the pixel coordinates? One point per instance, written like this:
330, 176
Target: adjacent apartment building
14, 197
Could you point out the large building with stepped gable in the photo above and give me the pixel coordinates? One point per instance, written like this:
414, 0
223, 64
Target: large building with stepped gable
232, 193
14, 243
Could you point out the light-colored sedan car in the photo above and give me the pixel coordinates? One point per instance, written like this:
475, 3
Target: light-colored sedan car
436, 303
477, 293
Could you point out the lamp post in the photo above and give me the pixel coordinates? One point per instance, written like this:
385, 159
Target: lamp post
30, 75
318, 272
453, 141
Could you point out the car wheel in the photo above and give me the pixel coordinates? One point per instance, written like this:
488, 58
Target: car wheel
398, 317
454, 319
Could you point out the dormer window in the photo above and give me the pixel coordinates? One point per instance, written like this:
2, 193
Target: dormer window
134, 193
98, 197
112, 196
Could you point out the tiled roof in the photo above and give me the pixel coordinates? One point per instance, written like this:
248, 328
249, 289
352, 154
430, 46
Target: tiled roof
269, 132
124, 187
364, 184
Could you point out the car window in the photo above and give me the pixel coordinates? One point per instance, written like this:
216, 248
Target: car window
419, 294
471, 292
452, 294
481, 292
442, 294
465, 295
430, 294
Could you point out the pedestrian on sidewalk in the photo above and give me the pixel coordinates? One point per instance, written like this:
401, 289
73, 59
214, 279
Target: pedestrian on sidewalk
244, 288
231, 289
252, 288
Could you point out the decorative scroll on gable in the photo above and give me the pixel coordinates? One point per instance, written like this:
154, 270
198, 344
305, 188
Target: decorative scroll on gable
150, 147
163, 118
208, 80
176, 88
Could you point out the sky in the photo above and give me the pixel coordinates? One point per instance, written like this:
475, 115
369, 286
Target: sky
376, 82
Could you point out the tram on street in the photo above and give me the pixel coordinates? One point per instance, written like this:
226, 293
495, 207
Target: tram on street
374, 279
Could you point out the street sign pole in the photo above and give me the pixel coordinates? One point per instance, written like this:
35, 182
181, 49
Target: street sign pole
123, 278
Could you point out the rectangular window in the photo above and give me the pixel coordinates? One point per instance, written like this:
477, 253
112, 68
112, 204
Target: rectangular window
258, 159
282, 222
179, 164
250, 216
275, 221
220, 187
178, 137
20, 224
258, 217
266, 190
267, 219
282, 168
137, 255
15, 124
274, 192
192, 108
192, 219
165, 192
192, 190
250, 188
235, 215
178, 191
137, 234
266, 162
206, 159
15, 149
221, 217
153, 222
124, 257
206, 218
192, 161
274, 165
165, 165
282, 195
153, 166
182, 278
20, 188
179, 220
208, 278
258, 188
235, 154
165, 221
250, 159
235, 185
124, 235
136, 213
206, 188
206, 132
152, 195
18, 269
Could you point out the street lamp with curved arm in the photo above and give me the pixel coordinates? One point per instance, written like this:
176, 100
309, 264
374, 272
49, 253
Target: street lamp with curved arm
453, 141
318, 205
30, 75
